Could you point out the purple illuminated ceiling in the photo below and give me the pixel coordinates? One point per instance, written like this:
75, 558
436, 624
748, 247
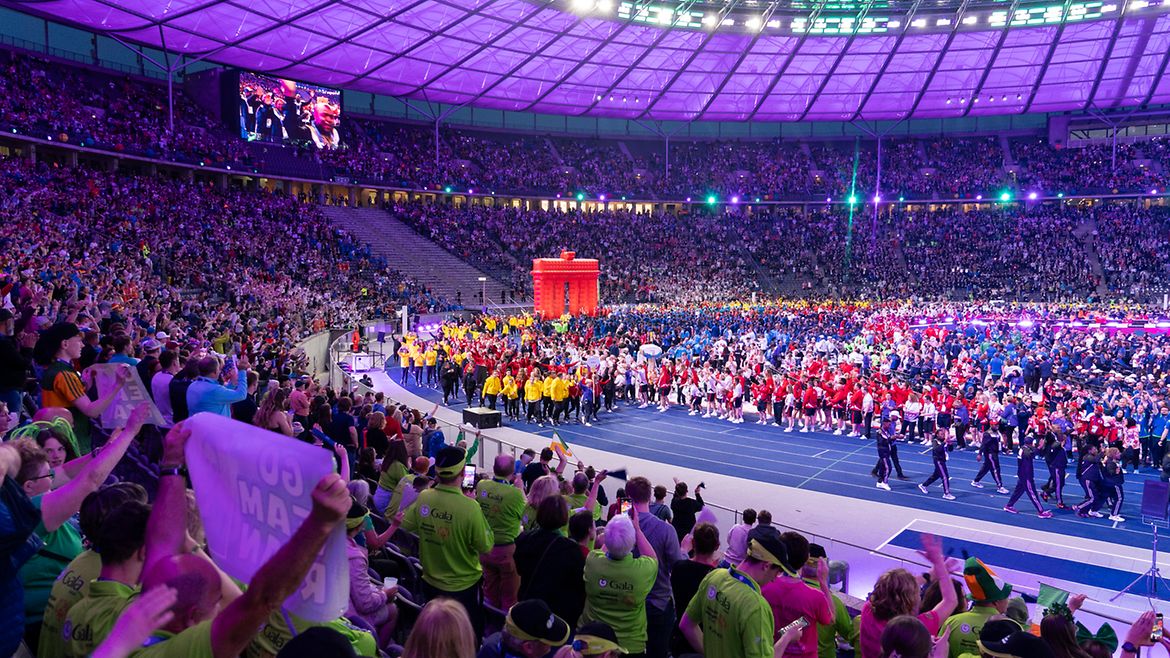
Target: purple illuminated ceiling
525, 56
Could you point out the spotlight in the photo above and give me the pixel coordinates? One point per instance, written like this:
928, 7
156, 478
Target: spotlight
688, 199
580, 196
735, 199
601, 197
711, 199
901, 198
1060, 195
877, 198
1005, 197
1032, 196
1154, 191
978, 197
852, 200
447, 189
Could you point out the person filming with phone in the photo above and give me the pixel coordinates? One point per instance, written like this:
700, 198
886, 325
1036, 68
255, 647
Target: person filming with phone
792, 600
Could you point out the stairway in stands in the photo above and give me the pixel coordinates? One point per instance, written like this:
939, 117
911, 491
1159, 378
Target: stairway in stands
414, 255
1086, 232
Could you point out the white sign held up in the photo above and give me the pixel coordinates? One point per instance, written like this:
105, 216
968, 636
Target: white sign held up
254, 489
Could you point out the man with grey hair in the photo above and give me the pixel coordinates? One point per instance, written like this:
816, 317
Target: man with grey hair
617, 583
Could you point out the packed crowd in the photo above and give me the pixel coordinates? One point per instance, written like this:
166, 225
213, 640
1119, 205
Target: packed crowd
185, 261
122, 114
533, 559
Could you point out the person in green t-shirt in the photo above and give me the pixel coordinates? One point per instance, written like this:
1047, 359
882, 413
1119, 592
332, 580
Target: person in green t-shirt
119, 540
73, 583
728, 616
452, 534
617, 583
276, 633
62, 540
989, 596
502, 501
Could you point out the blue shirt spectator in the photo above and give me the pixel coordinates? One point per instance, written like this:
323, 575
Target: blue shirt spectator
207, 394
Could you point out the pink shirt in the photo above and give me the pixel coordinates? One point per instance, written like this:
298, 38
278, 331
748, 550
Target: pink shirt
791, 599
871, 630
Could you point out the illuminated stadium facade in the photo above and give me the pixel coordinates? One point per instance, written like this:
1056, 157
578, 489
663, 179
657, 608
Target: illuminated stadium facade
708, 61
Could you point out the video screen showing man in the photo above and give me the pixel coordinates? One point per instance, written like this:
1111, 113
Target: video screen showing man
284, 111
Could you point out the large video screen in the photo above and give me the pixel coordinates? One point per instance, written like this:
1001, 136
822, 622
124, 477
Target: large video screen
289, 112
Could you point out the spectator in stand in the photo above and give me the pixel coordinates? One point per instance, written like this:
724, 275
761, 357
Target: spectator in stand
686, 575
661, 606
207, 393
896, 593
659, 507
617, 583
684, 508
842, 626
531, 630
734, 620
792, 599
502, 501
551, 566
737, 537
989, 597
452, 535
442, 629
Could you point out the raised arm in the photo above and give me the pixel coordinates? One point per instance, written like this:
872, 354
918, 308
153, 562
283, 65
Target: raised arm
282, 574
166, 530
591, 501
60, 504
932, 551
94, 408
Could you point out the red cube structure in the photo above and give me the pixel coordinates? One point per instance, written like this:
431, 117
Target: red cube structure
565, 285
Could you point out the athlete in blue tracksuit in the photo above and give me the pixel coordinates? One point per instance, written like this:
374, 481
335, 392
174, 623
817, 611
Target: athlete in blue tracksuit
989, 454
1026, 482
885, 464
1056, 459
1089, 475
938, 454
1112, 484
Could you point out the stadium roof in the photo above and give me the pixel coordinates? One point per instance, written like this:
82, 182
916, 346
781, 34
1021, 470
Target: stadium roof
732, 61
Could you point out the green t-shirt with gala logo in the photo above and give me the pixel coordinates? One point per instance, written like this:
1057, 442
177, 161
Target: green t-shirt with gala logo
615, 593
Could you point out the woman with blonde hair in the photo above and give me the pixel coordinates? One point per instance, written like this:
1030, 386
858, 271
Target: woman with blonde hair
442, 629
543, 487
896, 593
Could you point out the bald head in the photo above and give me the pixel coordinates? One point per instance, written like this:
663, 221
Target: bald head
51, 413
503, 466
196, 584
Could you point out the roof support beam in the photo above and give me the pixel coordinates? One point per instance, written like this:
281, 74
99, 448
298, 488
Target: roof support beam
1011, 16
886, 63
1048, 56
812, 19
837, 62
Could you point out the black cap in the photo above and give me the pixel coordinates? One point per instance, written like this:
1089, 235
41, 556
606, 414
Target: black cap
764, 543
315, 642
450, 460
50, 341
356, 509
533, 620
1020, 644
596, 638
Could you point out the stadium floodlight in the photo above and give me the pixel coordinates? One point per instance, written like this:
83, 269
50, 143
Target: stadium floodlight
901, 199
735, 199
1032, 196
580, 196
601, 197
757, 199
711, 199
852, 200
1153, 191
447, 190
1005, 196
1060, 195
978, 197
877, 198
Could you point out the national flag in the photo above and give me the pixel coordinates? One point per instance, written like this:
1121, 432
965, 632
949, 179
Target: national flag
559, 446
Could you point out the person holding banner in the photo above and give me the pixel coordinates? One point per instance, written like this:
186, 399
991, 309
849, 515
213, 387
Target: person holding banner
57, 349
196, 629
453, 533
